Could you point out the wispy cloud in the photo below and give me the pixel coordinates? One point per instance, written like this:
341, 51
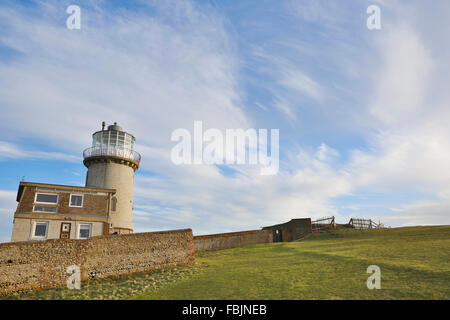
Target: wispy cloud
357, 111
290, 84
151, 73
13, 151
205, 199
420, 213
297, 80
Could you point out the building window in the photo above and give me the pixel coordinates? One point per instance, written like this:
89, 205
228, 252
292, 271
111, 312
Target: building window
51, 209
85, 231
76, 200
113, 203
46, 198
40, 229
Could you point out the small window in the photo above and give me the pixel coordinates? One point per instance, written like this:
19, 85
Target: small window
76, 200
85, 231
46, 198
113, 203
51, 209
40, 229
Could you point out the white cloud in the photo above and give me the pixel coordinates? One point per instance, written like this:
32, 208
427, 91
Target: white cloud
291, 82
410, 149
420, 213
203, 198
411, 146
8, 206
7, 201
13, 151
417, 160
296, 79
148, 74
402, 82
154, 73
328, 14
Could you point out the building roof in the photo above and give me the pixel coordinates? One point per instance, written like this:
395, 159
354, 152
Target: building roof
23, 184
281, 225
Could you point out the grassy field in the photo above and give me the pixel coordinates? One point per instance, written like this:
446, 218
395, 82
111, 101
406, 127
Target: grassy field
414, 262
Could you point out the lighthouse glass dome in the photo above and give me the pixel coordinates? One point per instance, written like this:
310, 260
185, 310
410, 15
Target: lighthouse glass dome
113, 139
113, 142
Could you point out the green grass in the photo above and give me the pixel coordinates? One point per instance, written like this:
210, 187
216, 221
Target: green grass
414, 262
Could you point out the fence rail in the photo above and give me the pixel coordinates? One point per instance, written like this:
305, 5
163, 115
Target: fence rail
323, 224
362, 224
328, 223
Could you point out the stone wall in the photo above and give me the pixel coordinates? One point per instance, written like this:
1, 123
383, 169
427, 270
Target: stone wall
138, 252
230, 240
42, 264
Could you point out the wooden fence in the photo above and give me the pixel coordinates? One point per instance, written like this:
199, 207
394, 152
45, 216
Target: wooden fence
323, 224
328, 223
362, 224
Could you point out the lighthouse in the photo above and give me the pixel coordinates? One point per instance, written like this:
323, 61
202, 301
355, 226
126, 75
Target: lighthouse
111, 163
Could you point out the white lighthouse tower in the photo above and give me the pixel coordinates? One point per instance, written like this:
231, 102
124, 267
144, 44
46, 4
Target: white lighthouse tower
111, 163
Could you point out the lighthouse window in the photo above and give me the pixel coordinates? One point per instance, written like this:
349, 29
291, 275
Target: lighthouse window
113, 138
46, 198
76, 200
105, 138
85, 231
97, 140
121, 139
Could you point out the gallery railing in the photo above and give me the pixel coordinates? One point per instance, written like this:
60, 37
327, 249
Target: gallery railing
112, 151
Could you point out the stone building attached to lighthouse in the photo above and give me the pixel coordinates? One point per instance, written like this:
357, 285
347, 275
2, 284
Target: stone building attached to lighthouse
103, 206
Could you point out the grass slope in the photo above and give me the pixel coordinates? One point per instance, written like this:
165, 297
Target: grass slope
414, 262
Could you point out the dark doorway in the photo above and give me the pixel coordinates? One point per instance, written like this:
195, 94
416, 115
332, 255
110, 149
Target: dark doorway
277, 235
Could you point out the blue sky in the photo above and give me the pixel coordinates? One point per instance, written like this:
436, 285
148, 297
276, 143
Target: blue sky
362, 113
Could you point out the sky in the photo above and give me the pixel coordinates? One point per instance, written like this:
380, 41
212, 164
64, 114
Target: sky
362, 114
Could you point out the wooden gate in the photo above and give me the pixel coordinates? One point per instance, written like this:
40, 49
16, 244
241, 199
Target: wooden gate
323, 225
362, 224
